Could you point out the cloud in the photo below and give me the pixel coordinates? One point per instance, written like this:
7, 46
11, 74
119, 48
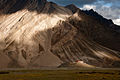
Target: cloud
117, 21
88, 7
109, 12
114, 2
79, 3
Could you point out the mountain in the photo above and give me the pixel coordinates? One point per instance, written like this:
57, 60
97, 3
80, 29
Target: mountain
39, 33
103, 20
110, 37
91, 12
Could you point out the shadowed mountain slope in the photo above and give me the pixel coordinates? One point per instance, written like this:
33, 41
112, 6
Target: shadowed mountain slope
108, 22
99, 29
42, 34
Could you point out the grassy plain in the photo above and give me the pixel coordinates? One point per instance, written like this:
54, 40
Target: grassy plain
61, 74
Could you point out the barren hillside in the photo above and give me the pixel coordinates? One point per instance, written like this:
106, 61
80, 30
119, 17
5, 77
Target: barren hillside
39, 33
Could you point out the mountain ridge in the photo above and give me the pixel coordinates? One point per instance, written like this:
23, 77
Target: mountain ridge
43, 33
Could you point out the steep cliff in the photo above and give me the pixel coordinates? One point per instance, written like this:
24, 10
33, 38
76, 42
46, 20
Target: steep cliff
42, 34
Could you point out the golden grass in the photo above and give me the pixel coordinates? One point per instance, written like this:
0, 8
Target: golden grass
61, 75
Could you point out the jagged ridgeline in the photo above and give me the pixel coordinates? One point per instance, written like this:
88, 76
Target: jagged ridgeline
38, 33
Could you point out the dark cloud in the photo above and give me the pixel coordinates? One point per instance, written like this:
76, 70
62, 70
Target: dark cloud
108, 1
115, 3
76, 2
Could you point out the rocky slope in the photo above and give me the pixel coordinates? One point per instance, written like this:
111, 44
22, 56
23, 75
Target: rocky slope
42, 34
108, 22
103, 31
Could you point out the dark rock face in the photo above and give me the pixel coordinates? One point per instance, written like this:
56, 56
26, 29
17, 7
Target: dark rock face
19, 4
97, 16
108, 22
12, 6
41, 4
72, 7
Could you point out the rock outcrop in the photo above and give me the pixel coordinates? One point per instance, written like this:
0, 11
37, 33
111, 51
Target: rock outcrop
42, 34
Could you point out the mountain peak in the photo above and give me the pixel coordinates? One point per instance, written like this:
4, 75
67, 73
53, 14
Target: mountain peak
99, 17
72, 7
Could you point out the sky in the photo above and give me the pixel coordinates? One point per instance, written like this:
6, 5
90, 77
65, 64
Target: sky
110, 9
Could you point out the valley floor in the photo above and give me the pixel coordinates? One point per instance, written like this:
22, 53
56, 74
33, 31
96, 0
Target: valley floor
61, 74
